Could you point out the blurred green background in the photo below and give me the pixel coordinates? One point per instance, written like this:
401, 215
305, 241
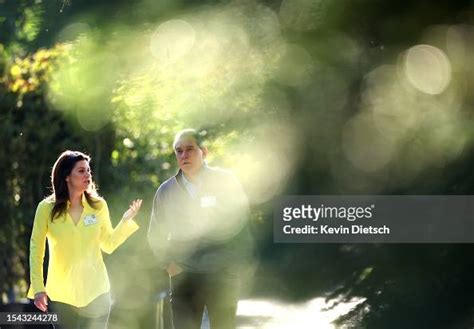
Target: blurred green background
296, 96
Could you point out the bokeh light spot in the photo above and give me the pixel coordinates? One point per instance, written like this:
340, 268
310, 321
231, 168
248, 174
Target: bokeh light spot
428, 69
364, 146
172, 40
73, 31
295, 66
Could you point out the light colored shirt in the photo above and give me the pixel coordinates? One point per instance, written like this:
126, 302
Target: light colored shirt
76, 270
192, 188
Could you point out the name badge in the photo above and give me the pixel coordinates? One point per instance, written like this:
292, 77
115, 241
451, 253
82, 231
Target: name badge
208, 201
90, 220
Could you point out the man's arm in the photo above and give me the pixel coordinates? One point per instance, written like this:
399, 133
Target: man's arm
242, 243
158, 231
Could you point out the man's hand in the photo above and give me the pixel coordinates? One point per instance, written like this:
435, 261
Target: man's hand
173, 269
41, 301
132, 210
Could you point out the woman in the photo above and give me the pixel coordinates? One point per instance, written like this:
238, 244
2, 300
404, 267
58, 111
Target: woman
76, 222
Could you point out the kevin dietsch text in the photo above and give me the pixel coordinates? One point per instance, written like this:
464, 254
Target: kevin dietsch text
330, 216
341, 230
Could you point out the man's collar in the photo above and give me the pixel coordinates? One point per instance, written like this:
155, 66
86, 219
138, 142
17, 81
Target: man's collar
201, 171
186, 181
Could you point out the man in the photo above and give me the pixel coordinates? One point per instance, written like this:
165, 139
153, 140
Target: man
198, 234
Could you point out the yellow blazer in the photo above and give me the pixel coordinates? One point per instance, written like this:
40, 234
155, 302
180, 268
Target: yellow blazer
76, 269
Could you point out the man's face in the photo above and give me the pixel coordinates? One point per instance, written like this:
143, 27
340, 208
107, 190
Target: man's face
189, 156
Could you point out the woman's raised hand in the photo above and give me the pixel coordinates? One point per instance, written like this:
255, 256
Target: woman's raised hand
133, 209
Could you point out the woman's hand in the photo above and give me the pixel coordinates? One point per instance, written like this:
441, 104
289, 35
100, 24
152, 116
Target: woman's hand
132, 210
173, 269
41, 301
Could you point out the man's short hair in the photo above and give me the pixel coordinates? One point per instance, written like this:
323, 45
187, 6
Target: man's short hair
189, 133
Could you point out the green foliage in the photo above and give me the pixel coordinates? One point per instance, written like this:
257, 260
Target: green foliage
299, 97
27, 75
29, 26
20, 24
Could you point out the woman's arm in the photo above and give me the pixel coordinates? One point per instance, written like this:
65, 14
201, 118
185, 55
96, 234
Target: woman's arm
37, 251
111, 238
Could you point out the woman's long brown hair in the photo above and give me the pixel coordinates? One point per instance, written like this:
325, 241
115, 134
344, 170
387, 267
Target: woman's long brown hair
61, 169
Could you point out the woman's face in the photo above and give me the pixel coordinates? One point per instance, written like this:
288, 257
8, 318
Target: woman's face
80, 177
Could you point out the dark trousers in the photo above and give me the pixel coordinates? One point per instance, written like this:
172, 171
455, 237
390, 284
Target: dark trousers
191, 292
93, 316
